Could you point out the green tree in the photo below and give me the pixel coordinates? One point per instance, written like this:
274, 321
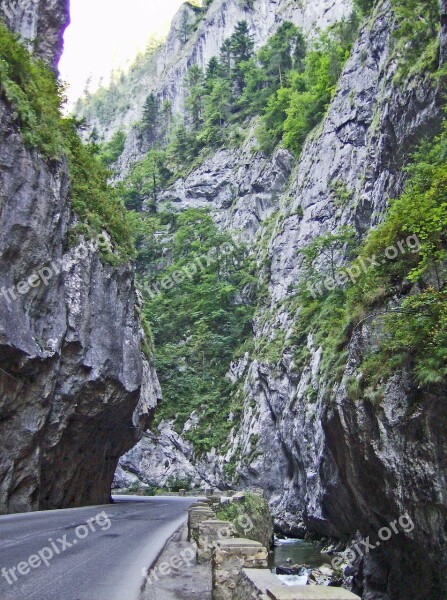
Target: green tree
284, 50
199, 322
217, 111
241, 49
151, 114
194, 96
329, 249
146, 180
111, 151
184, 28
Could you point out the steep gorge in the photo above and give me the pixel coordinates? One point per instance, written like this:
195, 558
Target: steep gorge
337, 463
75, 389
332, 457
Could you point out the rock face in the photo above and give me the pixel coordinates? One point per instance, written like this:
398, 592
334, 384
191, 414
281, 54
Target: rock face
241, 186
344, 467
166, 74
39, 22
75, 390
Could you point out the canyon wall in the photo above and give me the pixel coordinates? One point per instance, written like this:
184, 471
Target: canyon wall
76, 391
338, 465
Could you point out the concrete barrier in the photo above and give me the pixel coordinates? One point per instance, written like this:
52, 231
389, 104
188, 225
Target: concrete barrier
230, 557
210, 532
262, 584
197, 515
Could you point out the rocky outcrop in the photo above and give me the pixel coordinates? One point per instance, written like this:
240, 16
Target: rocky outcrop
240, 185
166, 73
163, 458
75, 390
345, 467
40, 23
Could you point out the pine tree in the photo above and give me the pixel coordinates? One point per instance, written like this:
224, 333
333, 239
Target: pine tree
194, 96
151, 113
241, 47
241, 43
184, 27
225, 56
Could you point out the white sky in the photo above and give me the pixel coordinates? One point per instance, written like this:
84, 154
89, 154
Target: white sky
106, 34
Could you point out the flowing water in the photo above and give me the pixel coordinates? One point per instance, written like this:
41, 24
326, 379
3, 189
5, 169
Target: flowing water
300, 552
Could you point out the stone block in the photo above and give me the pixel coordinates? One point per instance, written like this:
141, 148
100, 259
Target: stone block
210, 532
230, 557
306, 592
197, 515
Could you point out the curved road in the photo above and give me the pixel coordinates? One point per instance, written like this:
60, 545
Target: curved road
94, 553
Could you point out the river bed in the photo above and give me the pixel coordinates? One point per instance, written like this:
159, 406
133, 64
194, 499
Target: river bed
300, 552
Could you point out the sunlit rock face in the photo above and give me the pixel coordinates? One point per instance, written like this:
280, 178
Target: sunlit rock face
76, 392
342, 467
40, 22
165, 76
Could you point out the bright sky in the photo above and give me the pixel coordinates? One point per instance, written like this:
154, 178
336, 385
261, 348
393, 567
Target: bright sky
105, 34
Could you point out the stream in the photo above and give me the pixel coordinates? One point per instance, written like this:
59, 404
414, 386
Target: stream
300, 552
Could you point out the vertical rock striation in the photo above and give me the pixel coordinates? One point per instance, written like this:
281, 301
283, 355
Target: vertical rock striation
40, 24
75, 390
343, 467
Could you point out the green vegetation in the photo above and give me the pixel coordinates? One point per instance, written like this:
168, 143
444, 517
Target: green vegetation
286, 83
307, 88
417, 36
412, 331
200, 305
114, 99
415, 333
110, 152
31, 89
250, 517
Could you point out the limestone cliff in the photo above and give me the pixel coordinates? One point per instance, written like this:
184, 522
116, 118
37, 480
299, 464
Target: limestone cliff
40, 24
341, 466
165, 73
76, 391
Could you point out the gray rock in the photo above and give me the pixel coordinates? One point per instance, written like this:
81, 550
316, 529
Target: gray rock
41, 24
75, 389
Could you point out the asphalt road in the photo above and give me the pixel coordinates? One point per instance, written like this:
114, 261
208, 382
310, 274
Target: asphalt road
94, 553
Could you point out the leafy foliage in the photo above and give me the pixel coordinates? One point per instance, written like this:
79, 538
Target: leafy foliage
109, 153
412, 330
301, 101
198, 321
31, 89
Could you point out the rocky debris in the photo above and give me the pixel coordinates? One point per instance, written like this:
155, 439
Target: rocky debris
325, 575
292, 570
